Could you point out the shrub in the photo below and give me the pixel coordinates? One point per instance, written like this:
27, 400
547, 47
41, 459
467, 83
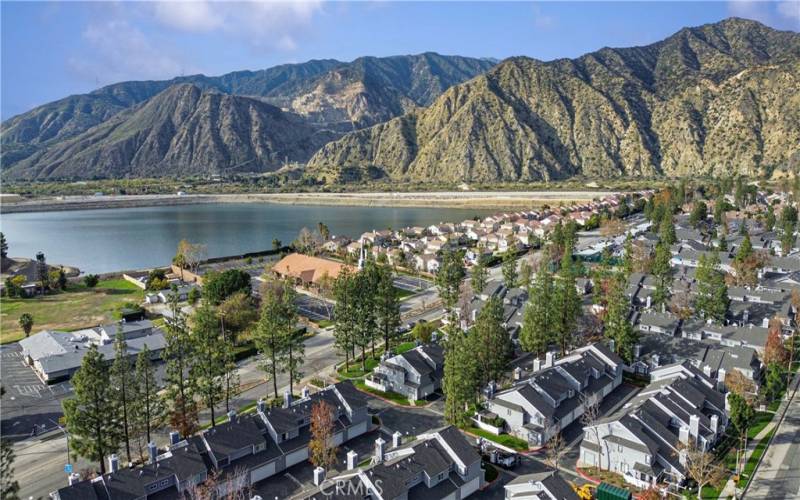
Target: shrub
91, 280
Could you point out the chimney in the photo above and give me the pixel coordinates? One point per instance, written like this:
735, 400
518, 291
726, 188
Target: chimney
549, 359
174, 437
683, 434
305, 392
649, 301
261, 406
352, 459
517, 373
746, 315
232, 415
287, 399
380, 446
714, 424
612, 345
637, 350
397, 439
319, 476
153, 451
113, 462
707, 370
765, 323
537, 365
694, 427
74, 478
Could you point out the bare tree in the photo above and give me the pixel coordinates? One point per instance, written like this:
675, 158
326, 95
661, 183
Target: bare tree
235, 486
589, 419
555, 450
738, 383
701, 465
321, 448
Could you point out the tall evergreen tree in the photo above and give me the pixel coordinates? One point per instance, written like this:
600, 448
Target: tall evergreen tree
460, 382
387, 306
448, 279
663, 273
209, 366
363, 302
539, 316
180, 387
490, 341
617, 326
295, 354
509, 269
124, 383
566, 304
273, 328
769, 220
745, 249
343, 314
666, 230
627, 258
149, 407
3, 246
480, 275
711, 300
230, 376
91, 413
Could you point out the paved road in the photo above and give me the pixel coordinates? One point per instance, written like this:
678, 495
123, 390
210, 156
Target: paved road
778, 476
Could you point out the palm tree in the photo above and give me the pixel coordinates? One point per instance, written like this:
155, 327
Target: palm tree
26, 323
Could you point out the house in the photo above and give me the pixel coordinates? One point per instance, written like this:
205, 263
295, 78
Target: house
166, 295
308, 271
644, 443
437, 465
416, 373
656, 322
56, 355
539, 486
538, 408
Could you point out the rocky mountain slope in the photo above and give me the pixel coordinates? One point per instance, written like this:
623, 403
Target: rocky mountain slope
336, 95
184, 130
717, 99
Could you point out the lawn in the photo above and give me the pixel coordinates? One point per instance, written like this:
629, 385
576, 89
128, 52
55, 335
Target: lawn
77, 307
403, 293
404, 347
356, 371
761, 447
504, 439
391, 396
324, 323
761, 420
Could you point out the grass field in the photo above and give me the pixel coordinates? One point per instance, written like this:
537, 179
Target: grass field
504, 439
77, 307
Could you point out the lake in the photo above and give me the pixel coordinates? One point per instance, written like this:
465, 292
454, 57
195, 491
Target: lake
99, 241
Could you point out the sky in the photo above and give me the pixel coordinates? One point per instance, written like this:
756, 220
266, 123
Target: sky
49, 50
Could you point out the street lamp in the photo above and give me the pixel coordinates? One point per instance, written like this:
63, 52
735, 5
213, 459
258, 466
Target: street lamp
66, 434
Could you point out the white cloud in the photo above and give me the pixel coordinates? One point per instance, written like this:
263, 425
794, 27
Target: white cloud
121, 52
780, 14
540, 19
269, 25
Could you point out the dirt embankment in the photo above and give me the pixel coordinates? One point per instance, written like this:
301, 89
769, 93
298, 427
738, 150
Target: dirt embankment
449, 199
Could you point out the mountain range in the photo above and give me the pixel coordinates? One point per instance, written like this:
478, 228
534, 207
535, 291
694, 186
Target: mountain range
712, 100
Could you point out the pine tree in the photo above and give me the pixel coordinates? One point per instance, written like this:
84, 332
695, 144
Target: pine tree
343, 314
627, 259
566, 304
480, 275
711, 300
666, 230
292, 341
180, 387
663, 272
363, 302
509, 269
3, 246
525, 274
91, 414
123, 381
388, 306
539, 317
209, 365
230, 376
273, 328
617, 326
745, 249
150, 408
448, 279
460, 382
769, 220
490, 341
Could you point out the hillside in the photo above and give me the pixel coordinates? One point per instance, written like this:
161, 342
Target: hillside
183, 130
717, 99
339, 96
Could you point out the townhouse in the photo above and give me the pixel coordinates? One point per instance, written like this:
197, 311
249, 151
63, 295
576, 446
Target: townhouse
416, 373
553, 397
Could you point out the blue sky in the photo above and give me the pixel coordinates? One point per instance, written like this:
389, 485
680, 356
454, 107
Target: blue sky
50, 50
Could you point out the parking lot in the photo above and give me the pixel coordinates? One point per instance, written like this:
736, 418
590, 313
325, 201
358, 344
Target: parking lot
314, 308
29, 405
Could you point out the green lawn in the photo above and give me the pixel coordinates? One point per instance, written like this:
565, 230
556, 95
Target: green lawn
324, 323
504, 439
404, 347
403, 293
356, 370
761, 420
77, 307
391, 396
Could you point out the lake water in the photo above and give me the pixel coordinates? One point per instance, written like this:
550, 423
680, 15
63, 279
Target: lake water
119, 239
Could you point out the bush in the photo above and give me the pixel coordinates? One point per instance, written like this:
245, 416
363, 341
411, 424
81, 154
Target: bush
193, 296
157, 280
219, 286
91, 280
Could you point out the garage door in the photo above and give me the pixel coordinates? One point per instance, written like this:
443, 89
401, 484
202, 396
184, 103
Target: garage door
262, 473
357, 430
470, 487
296, 457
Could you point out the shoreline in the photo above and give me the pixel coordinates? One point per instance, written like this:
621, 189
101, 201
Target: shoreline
512, 200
